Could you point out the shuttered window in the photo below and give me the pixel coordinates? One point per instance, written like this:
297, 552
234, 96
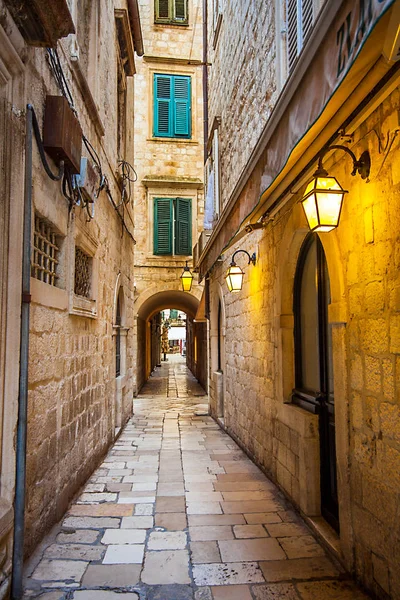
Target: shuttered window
172, 106
173, 226
173, 12
300, 17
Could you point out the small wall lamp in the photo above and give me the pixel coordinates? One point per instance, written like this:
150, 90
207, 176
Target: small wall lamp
323, 198
186, 278
234, 275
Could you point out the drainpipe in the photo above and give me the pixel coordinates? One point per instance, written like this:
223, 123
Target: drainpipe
205, 77
19, 502
133, 9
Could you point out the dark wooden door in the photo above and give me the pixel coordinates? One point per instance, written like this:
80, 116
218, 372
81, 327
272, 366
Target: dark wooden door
314, 366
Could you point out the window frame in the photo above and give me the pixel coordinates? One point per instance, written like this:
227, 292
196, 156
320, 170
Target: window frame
309, 399
302, 28
174, 103
171, 19
175, 225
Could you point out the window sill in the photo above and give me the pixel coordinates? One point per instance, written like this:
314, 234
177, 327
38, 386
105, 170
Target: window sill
83, 307
171, 259
48, 295
171, 24
172, 140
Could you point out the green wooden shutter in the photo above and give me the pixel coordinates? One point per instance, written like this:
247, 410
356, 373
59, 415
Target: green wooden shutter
162, 10
163, 107
163, 225
182, 112
183, 226
180, 11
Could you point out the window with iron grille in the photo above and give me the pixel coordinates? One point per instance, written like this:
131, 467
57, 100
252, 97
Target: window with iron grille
46, 248
300, 16
83, 273
171, 12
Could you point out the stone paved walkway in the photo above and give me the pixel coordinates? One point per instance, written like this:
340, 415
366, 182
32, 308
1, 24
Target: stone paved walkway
178, 512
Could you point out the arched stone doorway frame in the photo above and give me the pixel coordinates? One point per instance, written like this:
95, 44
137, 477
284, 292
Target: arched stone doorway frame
153, 300
217, 346
119, 333
294, 234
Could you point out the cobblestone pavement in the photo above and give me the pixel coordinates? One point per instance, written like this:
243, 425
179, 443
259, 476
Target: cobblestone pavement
178, 512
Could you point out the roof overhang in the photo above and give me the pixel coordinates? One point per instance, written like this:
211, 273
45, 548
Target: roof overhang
40, 22
324, 91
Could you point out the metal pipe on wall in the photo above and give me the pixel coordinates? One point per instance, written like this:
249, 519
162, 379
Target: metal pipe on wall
20, 478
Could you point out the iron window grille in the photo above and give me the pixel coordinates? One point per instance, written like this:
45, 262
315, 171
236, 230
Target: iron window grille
83, 273
46, 250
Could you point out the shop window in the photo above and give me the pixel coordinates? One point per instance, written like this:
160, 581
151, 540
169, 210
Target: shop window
171, 12
46, 251
172, 106
173, 226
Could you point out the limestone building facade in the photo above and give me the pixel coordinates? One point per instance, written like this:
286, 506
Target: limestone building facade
169, 201
304, 362
66, 81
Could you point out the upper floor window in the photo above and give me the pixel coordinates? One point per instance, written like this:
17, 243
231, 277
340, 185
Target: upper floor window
300, 16
217, 19
173, 12
172, 106
173, 226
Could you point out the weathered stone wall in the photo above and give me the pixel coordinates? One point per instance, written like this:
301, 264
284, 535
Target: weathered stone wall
242, 80
363, 263
75, 399
12, 130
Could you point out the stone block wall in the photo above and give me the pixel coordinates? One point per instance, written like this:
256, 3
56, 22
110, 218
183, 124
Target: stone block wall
242, 79
75, 399
363, 263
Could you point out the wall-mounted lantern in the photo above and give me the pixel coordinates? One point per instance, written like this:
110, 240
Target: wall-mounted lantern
323, 198
186, 279
234, 275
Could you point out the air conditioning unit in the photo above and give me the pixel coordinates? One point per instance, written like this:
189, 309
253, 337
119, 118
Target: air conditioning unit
62, 133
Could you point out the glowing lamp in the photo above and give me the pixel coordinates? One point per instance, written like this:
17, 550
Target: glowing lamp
234, 278
234, 275
323, 198
186, 279
322, 202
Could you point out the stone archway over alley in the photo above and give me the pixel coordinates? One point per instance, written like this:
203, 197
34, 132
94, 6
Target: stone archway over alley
177, 511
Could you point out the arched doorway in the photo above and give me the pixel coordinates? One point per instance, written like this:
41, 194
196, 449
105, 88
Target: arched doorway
149, 331
120, 332
314, 389
217, 341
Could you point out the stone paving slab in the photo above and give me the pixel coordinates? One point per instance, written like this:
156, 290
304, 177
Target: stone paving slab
178, 512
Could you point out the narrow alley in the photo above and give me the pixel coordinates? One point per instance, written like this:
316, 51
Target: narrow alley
177, 511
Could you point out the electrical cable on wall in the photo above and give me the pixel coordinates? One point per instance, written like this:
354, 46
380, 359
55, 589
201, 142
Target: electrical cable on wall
70, 189
128, 176
43, 158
